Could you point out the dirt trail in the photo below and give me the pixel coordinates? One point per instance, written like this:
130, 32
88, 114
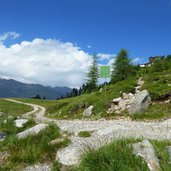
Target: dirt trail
38, 111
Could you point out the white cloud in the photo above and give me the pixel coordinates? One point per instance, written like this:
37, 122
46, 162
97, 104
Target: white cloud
89, 47
136, 60
104, 56
7, 35
47, 62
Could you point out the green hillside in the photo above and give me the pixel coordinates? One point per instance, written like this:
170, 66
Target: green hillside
157, 83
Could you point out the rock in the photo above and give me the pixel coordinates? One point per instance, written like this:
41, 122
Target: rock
130, 96
3, 157
88, 111
32, 131
140, 103
2, 135
147, 152
1, 114
115, 107
125, 96
56, 141
101, 90
118, 112
20, 122
117, 100
169, 152
140, 82
39, 167
167, 101
122, 105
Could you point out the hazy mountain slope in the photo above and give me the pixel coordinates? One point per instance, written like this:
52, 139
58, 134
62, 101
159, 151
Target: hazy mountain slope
12, 88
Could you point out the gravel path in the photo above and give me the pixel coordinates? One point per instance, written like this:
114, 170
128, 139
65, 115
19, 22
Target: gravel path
38, 111
103, 131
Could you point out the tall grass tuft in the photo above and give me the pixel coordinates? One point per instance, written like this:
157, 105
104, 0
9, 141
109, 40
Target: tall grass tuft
117, 156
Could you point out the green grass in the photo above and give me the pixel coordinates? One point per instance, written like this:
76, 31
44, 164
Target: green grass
84, 134
31, 150
162, 154
11, 112
72, 108
117, 156
13, 109
157, 84
156, 111
8, 126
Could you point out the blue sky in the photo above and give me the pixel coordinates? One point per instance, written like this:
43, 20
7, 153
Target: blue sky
143, 27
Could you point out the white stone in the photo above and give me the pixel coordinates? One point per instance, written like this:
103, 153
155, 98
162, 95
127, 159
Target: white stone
125, 96
115, 107
39, 167
56, 141
101, 90
20, 122
117, 100
130, 96
32, 131
147, 152
118, 112
122, 105
167, 101
88, 111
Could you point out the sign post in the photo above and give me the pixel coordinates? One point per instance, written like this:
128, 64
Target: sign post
105, 73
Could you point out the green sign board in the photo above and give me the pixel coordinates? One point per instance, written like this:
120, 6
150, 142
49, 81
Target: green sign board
105, 72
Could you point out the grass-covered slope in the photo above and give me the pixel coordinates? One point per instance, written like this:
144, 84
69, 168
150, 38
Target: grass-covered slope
158, 84
71, 108
13, 109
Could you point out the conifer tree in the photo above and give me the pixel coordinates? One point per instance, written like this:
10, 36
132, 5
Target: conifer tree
121, 66
93, 74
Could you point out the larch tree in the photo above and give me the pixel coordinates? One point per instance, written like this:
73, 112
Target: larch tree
121, 66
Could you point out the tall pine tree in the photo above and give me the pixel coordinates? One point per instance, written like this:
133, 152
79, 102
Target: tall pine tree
93, 74
121, 66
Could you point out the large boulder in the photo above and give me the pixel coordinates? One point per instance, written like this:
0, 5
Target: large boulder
88, 111
140, 103
32, 131
146, 151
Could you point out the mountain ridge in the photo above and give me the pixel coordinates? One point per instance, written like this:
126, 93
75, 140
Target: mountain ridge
15, 89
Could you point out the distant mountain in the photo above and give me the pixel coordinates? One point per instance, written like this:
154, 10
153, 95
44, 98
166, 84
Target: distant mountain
13, 88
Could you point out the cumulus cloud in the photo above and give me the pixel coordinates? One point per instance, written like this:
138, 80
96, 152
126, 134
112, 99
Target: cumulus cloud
48, 62
136, 60
104, 56
7, 35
